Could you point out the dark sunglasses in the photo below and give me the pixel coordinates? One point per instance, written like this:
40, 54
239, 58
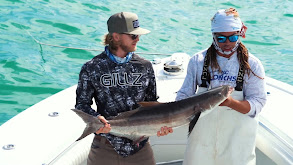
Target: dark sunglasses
222, 39
133, 36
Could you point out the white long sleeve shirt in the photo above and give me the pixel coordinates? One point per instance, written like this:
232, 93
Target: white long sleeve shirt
253, 87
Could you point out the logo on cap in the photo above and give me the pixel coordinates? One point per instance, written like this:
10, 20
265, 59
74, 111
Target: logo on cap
135, 24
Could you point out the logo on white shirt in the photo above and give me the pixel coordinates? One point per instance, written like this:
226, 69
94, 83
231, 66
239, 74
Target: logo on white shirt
223, 76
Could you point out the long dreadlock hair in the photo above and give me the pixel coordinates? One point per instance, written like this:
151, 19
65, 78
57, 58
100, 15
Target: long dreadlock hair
242, 55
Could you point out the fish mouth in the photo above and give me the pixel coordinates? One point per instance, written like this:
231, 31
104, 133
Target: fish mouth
228, 91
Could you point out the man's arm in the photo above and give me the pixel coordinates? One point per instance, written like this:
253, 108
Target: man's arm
85, 93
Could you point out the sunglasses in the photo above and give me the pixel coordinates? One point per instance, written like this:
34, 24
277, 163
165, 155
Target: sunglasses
222, 39
133, 36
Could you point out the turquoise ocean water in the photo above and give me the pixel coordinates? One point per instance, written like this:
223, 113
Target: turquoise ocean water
30, 72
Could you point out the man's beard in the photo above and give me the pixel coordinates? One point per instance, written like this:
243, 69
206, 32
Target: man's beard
126, 48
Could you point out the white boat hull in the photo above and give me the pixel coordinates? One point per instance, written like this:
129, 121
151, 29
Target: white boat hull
37, 136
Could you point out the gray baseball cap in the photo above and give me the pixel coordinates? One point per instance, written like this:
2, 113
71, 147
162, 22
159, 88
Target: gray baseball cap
125, 22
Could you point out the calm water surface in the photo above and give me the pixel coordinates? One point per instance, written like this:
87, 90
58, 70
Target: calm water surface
30, 72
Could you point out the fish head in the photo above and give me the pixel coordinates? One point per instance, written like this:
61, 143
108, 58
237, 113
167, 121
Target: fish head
226, 91
215, 96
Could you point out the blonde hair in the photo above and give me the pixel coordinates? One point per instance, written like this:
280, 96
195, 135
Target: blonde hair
108, 40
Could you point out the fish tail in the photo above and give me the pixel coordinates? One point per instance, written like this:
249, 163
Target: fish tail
91, 122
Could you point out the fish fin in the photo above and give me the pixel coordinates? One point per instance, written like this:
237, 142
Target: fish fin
193, 122
87, 118
123, 115
149, 104
143, 106
90, 121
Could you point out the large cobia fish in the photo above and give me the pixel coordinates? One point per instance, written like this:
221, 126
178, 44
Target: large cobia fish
146, 120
